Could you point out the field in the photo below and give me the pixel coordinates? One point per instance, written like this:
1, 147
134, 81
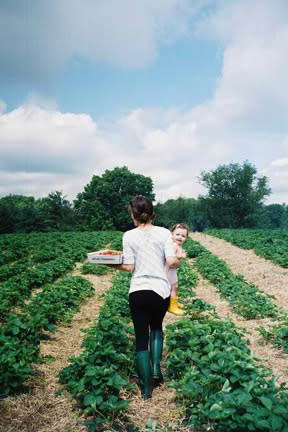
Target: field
67, 353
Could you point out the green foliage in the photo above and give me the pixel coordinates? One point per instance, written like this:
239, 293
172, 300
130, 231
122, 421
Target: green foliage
187, 280
96, 377
274, 215
193, 248
180, 210
57, 253
246, 299
218, 383
104, 202
96, 269
278, 334
26, 214
234, 197
56, 212
21, 335
17, 288
270, 244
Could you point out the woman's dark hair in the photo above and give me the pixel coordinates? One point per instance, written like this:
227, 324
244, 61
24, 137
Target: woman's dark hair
142, 209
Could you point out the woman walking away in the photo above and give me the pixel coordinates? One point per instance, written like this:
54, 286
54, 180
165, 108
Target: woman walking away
146, 248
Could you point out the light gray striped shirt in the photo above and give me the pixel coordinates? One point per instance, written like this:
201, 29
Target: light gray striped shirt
147, 250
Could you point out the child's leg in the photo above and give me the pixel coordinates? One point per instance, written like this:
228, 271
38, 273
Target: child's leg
174, 306
174, 290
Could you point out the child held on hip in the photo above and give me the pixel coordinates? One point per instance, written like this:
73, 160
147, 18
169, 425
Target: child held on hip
179, 235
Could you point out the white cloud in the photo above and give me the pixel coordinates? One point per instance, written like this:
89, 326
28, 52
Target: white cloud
33, 139
277, 172
245, 119
254, 35
125, 33
280, 162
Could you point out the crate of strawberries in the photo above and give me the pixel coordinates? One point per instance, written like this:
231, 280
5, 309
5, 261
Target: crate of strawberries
105, 256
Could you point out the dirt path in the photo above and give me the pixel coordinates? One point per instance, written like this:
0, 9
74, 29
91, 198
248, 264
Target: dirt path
268, 277
40, 410
161, 407
270, 356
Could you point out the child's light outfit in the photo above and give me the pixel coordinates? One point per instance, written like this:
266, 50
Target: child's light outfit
172, 272
174, 307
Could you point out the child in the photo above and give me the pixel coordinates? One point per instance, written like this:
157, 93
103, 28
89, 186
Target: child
179, 235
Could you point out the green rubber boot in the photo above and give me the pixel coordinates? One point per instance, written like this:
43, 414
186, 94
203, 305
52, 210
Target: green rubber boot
143, 364
156, 349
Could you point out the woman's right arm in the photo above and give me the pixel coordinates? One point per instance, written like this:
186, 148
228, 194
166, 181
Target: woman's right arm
172, 261
171, 257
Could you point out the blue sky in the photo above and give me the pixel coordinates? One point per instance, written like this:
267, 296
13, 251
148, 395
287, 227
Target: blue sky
168, 89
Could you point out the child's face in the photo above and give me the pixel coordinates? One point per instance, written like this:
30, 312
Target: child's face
179, 235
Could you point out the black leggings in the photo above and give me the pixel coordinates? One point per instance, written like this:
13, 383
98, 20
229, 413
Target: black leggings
148, 310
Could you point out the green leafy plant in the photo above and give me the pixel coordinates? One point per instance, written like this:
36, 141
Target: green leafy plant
96, 377
217, 381
21, 335
96, 269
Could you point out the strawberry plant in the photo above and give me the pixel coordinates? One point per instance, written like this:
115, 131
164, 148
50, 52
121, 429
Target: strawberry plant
217, 382
96, 377
21, 335
270, 244
277, 334
246, 299
96, 269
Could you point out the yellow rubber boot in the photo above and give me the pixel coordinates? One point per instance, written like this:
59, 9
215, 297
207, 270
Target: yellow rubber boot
180, 305
173, 307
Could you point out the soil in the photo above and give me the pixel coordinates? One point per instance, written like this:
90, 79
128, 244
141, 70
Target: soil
39, 410
268, 277
269, 356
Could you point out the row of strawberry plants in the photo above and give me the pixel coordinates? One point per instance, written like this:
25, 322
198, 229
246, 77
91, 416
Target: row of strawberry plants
278, 334
270, 244
217, 381
15, 290
44, 247
9, 270
96, 377
245, 297
21, 335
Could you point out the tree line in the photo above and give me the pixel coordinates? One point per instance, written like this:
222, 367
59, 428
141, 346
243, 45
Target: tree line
234, 199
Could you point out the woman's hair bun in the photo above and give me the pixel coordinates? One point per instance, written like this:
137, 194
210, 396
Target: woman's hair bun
142, 209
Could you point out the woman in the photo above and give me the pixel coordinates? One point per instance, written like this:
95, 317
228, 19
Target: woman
146, 248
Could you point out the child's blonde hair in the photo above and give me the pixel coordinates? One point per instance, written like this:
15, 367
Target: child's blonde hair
182, 226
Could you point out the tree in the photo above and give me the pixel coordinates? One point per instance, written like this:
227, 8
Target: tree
104, 202
17, 213
56, 212
235, 195
179, 210
275, 214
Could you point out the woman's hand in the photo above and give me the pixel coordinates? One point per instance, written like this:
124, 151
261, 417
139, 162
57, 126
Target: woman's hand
181, 255
173, 262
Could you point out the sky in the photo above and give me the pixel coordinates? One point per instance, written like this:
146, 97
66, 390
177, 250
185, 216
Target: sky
169, 89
